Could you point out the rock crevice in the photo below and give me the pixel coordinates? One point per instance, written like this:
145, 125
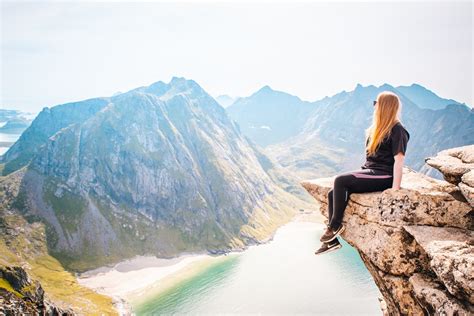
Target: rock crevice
417, 242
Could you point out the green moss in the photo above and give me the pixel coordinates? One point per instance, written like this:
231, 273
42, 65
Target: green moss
62, 286
6, 256
29, 289
29, 248
7, 286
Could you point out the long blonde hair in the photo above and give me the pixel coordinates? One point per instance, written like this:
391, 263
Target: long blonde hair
386, 115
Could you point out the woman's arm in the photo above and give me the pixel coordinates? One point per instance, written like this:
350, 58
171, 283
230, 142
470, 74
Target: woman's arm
398, 170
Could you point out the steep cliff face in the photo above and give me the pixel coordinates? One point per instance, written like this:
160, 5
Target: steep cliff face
47, 123
417, 242
158, 170
31, 281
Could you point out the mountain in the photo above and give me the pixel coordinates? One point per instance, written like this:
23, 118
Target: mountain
32, 282
46, 124
6, 114
269, 116
332, 139
225, 100
160, 169
424, 98
15, 126
14, 121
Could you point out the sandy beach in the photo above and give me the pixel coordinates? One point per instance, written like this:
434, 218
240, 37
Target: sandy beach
132, 281
134, 274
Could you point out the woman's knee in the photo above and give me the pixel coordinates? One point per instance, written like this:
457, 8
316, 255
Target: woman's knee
341, 180
330, 194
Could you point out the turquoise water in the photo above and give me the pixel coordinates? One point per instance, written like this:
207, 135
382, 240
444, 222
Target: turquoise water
281, 277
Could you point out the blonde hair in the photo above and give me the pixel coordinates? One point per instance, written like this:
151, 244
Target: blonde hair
386, 115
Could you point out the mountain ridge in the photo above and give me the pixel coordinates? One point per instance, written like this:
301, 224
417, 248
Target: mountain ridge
158, 169
263, 116
425, 98
330, 137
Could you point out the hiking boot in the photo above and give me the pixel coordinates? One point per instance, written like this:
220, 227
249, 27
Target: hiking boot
327, 247
331, 234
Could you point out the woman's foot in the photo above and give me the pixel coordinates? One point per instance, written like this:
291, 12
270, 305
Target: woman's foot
327, 247
330, 234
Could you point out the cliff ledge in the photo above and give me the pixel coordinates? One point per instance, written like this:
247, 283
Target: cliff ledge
417, 242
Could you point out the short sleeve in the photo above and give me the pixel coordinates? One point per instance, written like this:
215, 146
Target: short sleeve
400, 137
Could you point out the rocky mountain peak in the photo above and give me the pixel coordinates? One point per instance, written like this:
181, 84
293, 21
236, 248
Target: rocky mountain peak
183, 85
177, 85
159, 169
267, 93
417, 86
386, 86
358, 86
265, 88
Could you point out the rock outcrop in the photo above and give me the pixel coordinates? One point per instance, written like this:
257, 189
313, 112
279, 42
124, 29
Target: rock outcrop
19, 295
457, 167
32, 282
417, 242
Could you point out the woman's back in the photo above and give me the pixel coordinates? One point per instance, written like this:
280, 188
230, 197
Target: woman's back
391, 145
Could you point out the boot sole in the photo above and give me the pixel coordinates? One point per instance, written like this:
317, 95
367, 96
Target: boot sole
335, 235
329, 250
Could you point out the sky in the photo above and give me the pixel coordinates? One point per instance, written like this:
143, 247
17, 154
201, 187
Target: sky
54, 52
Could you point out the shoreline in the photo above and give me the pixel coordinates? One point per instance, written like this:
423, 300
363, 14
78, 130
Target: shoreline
133, 281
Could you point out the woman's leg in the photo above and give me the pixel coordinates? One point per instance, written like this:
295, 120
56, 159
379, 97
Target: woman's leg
340, 197
330, 205
358, 181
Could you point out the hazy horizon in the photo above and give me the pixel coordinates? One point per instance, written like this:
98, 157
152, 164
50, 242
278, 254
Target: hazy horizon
235, 97
58, 52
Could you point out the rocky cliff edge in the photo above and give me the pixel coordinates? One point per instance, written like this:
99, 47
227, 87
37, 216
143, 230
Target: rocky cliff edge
417, 242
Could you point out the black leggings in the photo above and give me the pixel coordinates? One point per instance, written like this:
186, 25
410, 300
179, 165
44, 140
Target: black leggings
358, 181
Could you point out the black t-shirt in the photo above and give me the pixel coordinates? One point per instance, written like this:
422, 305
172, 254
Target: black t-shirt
390, 146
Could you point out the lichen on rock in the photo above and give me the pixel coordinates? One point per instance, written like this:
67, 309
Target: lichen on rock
417, 242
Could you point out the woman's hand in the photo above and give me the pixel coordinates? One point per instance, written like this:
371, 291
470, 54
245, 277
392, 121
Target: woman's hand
398, 170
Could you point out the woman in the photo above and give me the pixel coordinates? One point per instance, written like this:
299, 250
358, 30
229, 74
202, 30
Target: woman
386, 143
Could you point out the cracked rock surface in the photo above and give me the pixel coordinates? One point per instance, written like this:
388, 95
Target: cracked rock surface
417, 242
